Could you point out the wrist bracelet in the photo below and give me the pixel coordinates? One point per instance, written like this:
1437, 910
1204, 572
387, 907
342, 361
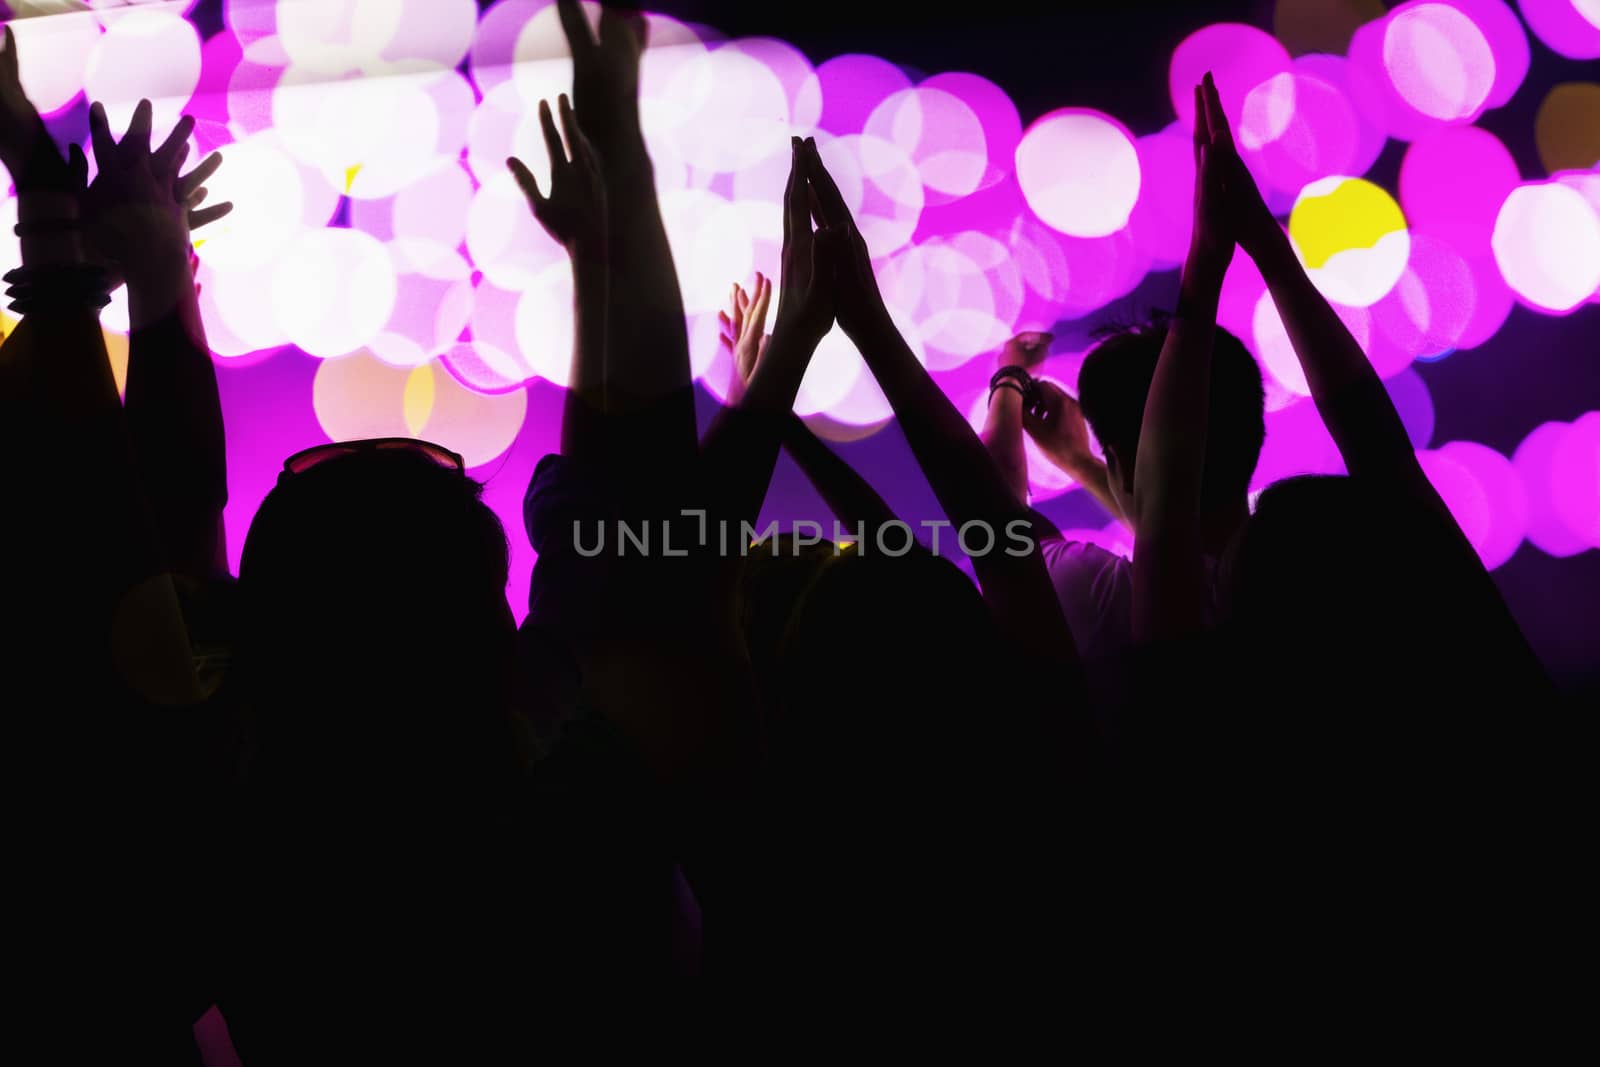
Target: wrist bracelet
34, 229
65, 287
1014, 378
1007, 383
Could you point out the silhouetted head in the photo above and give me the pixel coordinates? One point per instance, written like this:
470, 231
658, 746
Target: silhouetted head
372, 587
1112, 387
872, 663
1349, 588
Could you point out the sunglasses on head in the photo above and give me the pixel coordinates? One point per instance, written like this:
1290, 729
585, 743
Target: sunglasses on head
305, 459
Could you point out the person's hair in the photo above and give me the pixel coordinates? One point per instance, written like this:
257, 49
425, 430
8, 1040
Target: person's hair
372, 590
1115, 379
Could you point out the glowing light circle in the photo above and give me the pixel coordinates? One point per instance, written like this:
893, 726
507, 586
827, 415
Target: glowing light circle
53, 55
832, 374
1079, 172
1568, 27
1506, 496
733, 110
1162, 219
851, 87
1547, 244
333, 291
941, 135
504, 240
434, 208
1463, 494
1352, 238
1239, 57
145, 54
880, 183
1320, 136
1503, 32
711, 246
1438, 61
1365, 98
1575, 469
1535, 461
996, 113
544, 327
1453, 182
794, 72
269, 197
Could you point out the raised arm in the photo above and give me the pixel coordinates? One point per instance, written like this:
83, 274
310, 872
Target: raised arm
646, 344
1168, 572
741, 448
139, 214
574, 213
848, 495
960, 470
1348, 393
1003, 421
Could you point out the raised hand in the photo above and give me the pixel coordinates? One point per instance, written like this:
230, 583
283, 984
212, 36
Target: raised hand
133, 208
815, 264
605, 70
1056, 424
1216, 167
106, 199
1026, 350
575, 210
1247, 210
744, 331
860, 305
26, 149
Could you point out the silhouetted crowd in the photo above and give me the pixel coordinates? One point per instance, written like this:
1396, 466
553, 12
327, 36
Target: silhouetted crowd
347, 800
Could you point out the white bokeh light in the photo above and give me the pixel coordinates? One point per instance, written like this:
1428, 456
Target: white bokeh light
1079, 172
333, 290
268, 196
52, 57
1547, 244
151, 55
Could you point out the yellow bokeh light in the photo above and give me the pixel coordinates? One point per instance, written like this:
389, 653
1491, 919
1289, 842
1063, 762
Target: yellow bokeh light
419, 399
1567, 128
1352, 238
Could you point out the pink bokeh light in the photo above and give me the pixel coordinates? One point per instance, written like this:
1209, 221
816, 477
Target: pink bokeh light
1453, 183
1535, 460
1575, 473
1567, 27
1504, 494
1238, 57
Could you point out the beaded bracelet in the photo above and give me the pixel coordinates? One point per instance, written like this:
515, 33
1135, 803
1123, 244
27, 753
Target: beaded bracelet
34, 289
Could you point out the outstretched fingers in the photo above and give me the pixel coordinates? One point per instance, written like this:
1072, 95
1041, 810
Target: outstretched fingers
552, 139
199, 217
526, 181
9, 70
105, 147
169, 157
197, 177
138, 135
756, 316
